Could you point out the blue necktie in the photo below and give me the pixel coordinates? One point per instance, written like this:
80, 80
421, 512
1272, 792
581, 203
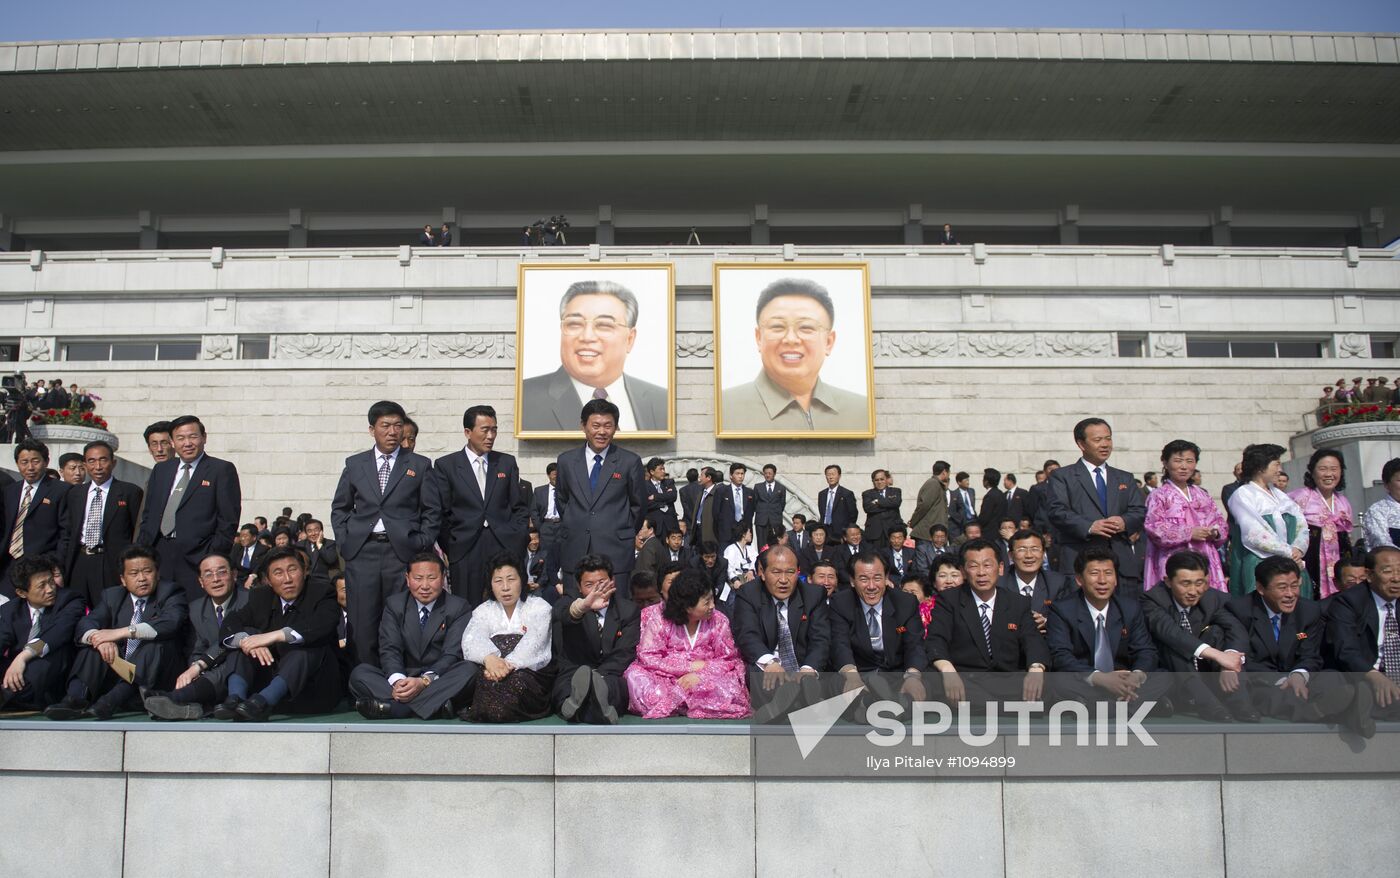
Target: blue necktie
1273, 620
422, 617
594, 473
1103, 489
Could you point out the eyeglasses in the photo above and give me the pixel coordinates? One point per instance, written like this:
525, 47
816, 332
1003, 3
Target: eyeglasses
803, 329
603, 327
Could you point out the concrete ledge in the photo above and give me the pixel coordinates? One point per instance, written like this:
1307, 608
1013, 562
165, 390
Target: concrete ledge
227, 752
84, 751
1341, 827
1183, 754
1345, 753
411, 754
653, 756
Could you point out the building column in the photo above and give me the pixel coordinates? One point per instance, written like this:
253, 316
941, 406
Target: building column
1220, 229
758, 231
9, 241
1069, 224
1371, 229
914, 225
296, 228
604, 234
149, 232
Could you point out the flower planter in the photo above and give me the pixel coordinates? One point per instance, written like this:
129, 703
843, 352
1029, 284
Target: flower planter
70, 433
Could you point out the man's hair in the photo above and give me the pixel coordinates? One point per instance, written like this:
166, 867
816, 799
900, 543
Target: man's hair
941, 466
692, 475
430, 558
310, 521
898, 527
27, 568
1187, 560
220, 556
709, 547
1256, 459
592, 564
654, 462
384, 408
599, 407
1010, 478
1372, 558
960, 476
34, 445
470, 415
1082, 428
97, 444
68, 457
157, 427
185, 421
250, 528
641, 579
601, 288
1272, 566
735, 467
823, 563
990, 477
277, 553
134, 553
714, 475
551, 467
796, 286
1094, 553
978, 544
1026, 535
868, 556
799, 516
768, 466
1049, 463
937, 528
1388, 471
875, 473
410, 424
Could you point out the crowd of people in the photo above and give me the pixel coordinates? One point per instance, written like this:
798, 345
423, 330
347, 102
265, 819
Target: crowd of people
453, 588
1378, 392
41, 396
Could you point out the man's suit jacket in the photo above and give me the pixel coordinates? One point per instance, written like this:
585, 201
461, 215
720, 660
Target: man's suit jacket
843, 512
235, 561
960, 510
206, 520
608, 651
1353, 626
716, 508
717, 575
1210, 624
314, 615
323, 562
539, 506
656, 553
58, 628
44, 525
1299, 643
907, 555
661, 505
993, 511
550, 402
454, 509
901, 632
1072, 506
955, 633
799, 541
1035, 506
689, 495
808, 556
1016, 506
769, 508
207, 644
1069, 630
881, 513
120, 504
756, 625
358, 504
167, 611
407, 648
1049, 587
604, 521
930, 508
746, 513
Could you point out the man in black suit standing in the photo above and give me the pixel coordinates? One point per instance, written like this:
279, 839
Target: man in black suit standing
1099, 644
881, 505
34, 511
1092, 503
102, 519
247, 555
203, 683
1363, 638
740, 498
193, 501
836, 506
662, 498
713, 520
595, 636
769, 503
602, 497
377, 515
962, 505
1015, 498
982, 638
36, 636
472, 501
544, 508
322, 559
876, 629
1035, 505
782, 630
420, 668
689, 494
993, 502
1190, 628
1029, 578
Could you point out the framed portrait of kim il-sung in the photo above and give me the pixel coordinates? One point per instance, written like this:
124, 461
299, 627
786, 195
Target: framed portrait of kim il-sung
595, 331
792, 351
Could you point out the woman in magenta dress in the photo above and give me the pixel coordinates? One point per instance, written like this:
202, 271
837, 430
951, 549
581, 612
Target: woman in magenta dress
687, 664
1328, 515
1180, 516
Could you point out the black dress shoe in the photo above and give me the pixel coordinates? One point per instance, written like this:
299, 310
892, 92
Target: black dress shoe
251, 710
1246, 714
373, 708
68, 707
1213, 712
578, 692
100, 709
229, 709
1163, 709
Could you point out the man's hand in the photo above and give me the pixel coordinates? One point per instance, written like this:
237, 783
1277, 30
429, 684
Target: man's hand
1387, 693
850, 681
598, 598
1122, 684
109, 635
107, 650
1229, 660
407, 689
189, 676
1039, 621
1033, 686
1297, 684
1105, 527
1229, 681
914, 688
774, 676
14, 675
260, 654
953, 687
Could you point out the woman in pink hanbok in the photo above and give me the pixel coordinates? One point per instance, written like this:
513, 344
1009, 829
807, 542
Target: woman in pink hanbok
1328, 515
687, 664
1182, 516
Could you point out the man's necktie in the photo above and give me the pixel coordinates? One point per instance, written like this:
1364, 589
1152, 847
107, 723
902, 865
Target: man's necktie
1274, 623
167, 518
481, 475
987, 626
600, 393
1103, 656
34, 628
872, 621
1008, 496
383, 472
830, 502
786, 654
595, 472
422, 618
1028, 589
248, 558
1390, 646
552, 513
219, 617
17, 535
1102, 487
92, 527
738, 504
899, 563
139, 607
1186, 626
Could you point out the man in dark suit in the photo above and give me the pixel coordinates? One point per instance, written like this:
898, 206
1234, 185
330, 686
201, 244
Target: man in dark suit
420, 667
1099, 644
1035, 505
711, 564
1015, 498
247, 555
836, 506
102, 519
281, 645
33, 511
1190, 628
597, 328
666, 547
139, 623
782, 630
36, 636
712, 518
377, 515
740, 499
544, 508
602, 491
689, 494
1029, 578
662, 498
881, 505
931, 506
899, 556
595, 635
203, 683
426, 238
819, 548
322, 559
1281, 635
769, 505
851, 546
472, 501
876, 629
962, 506
1363, 638
193, 501
993, 502
797, 535
983, 640
1090, 503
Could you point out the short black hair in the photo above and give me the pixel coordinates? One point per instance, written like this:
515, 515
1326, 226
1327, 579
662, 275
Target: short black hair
1187, 560
977, 544
99, 444
941, 466
592, 564
875, 473
157, 427
1256, 459
1372, 557
641, 579
1010, 478
185, 421
551, 467
990, 477
767, 466
868, 556
1082, 428
834, 466
714, 475
1025, 534
1388, 471
277, 553
709, 547
823, 563
937, 528
1316, 458
27, 568
667, 569
686, 592
735, 467
410, 424
798, 516
309, 521
1094, 553
654, 462
133, 553
470, 415
960, 476
385, 408
428, 558
68, 457
250, 528
692, 475
796, 286
599, 407
898, 527
34, 445
1272, 566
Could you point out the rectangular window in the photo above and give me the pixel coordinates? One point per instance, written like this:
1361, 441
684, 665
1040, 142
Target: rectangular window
1309, 350
1129, 347
1253, 348
1383, 348
176, 350
252, 348
180, 349
1207, 347
84, 350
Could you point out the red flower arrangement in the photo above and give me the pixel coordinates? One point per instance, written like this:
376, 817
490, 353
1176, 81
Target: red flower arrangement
1359, 414
68, 417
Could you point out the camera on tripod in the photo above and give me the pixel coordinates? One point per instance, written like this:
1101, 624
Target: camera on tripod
550, 232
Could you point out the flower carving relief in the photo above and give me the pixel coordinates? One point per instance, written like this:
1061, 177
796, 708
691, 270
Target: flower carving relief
312, 347
473, 347
388, 347
915, 344
996, 344
695, 345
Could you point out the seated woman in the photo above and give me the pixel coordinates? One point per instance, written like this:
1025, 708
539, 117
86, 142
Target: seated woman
1263, 521
927, 597
946, 573
687, 664
509, 638
739, 555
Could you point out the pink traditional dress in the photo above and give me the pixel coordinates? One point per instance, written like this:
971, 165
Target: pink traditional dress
664, 656
1171, 516
1329, 529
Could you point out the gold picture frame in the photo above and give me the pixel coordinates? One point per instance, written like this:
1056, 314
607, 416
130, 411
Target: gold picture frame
755, 395
547, 400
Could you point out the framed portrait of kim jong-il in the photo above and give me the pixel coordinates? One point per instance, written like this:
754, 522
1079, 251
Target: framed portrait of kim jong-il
595, 331
792, 351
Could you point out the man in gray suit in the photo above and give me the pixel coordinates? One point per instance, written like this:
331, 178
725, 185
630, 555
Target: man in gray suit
203, 684
1092, 503
420, 668
378, 520
597, 328
931, 506
601, 497
769, 501
1028, 577
962, 506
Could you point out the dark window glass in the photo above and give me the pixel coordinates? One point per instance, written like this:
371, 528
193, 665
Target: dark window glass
1129, 347
135, 350
252, 349
1253, 349
1383, 349
1310, 350
178, 350
87, 351
1202, 347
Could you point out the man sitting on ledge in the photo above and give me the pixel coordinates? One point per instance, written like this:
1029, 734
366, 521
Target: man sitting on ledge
876, 629
36, 636
1363, 636
204, 682
420, 650
595, 639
